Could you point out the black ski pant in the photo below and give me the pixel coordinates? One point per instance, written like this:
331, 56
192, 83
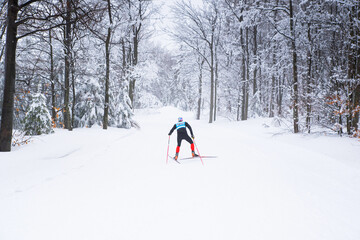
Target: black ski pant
184, 136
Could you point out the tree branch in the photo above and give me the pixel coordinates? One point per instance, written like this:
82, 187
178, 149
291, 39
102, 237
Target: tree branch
28, 3
40, 30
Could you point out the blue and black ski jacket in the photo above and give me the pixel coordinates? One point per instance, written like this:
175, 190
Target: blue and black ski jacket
181, 128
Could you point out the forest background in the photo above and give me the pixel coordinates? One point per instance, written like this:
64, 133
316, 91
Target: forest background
79, 63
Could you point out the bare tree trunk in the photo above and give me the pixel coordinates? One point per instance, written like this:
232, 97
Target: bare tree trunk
295, 71
280, 93
131, 83
356, 103
260, 85
132, 80
247, 73
333, 62
136, 30
136, 47
229, 102
255, 61
243, 78
202, 61
107, 75
272, 88
354, 70
308, 82
271, 102
212, 80
67, 42
73, 92
9, 84
52, 80
132, 91
275, 78
351, 72
124, 56
238, 111
357, 88
216, 84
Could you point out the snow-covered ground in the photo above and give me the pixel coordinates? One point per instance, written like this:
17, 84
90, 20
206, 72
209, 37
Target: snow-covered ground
91, 184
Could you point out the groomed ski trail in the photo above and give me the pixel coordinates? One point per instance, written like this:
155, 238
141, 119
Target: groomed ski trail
120, 187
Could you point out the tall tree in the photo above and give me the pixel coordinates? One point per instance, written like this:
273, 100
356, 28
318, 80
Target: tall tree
201, 25
295, 70
200, 62
107, 74
354, 68
9, 87
52, 78
67, 51
138, 12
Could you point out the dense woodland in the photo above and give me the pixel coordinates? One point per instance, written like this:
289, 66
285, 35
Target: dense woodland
76, 63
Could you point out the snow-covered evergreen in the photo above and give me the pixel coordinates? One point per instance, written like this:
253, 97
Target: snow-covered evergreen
37, 120
121, 112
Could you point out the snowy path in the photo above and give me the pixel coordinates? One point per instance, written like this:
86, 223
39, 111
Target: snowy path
94, 184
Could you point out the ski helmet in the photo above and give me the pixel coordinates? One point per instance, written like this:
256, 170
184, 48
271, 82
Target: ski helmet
180, 119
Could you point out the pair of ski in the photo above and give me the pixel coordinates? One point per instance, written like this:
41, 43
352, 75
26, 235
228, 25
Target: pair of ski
187, 158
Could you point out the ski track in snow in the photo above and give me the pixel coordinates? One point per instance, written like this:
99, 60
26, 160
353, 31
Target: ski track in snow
115, 184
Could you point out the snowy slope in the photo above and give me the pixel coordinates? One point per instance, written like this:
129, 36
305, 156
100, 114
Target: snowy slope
94, 184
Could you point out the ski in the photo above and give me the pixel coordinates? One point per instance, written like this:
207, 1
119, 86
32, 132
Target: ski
174, 160
198, 157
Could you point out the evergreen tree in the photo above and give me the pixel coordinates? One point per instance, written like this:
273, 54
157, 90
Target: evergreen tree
38, 120
121, 112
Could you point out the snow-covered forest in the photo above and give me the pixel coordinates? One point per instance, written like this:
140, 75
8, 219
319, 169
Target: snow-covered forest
91, 92
95, 61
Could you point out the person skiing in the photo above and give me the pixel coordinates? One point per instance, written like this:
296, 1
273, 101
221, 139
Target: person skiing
181, 126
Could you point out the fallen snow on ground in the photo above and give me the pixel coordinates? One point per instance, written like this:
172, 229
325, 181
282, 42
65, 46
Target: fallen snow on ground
115, 184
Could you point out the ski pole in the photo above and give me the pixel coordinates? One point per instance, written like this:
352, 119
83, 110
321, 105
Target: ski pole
198, 152
167, 155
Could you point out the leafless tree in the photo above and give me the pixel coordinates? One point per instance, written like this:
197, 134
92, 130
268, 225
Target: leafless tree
200, 25
27, 19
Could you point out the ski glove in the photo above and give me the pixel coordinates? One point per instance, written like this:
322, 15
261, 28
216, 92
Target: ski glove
192, 137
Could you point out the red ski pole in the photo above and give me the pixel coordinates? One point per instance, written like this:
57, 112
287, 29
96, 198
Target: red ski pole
167, 155
198, 152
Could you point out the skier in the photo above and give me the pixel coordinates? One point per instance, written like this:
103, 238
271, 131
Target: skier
180, 126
